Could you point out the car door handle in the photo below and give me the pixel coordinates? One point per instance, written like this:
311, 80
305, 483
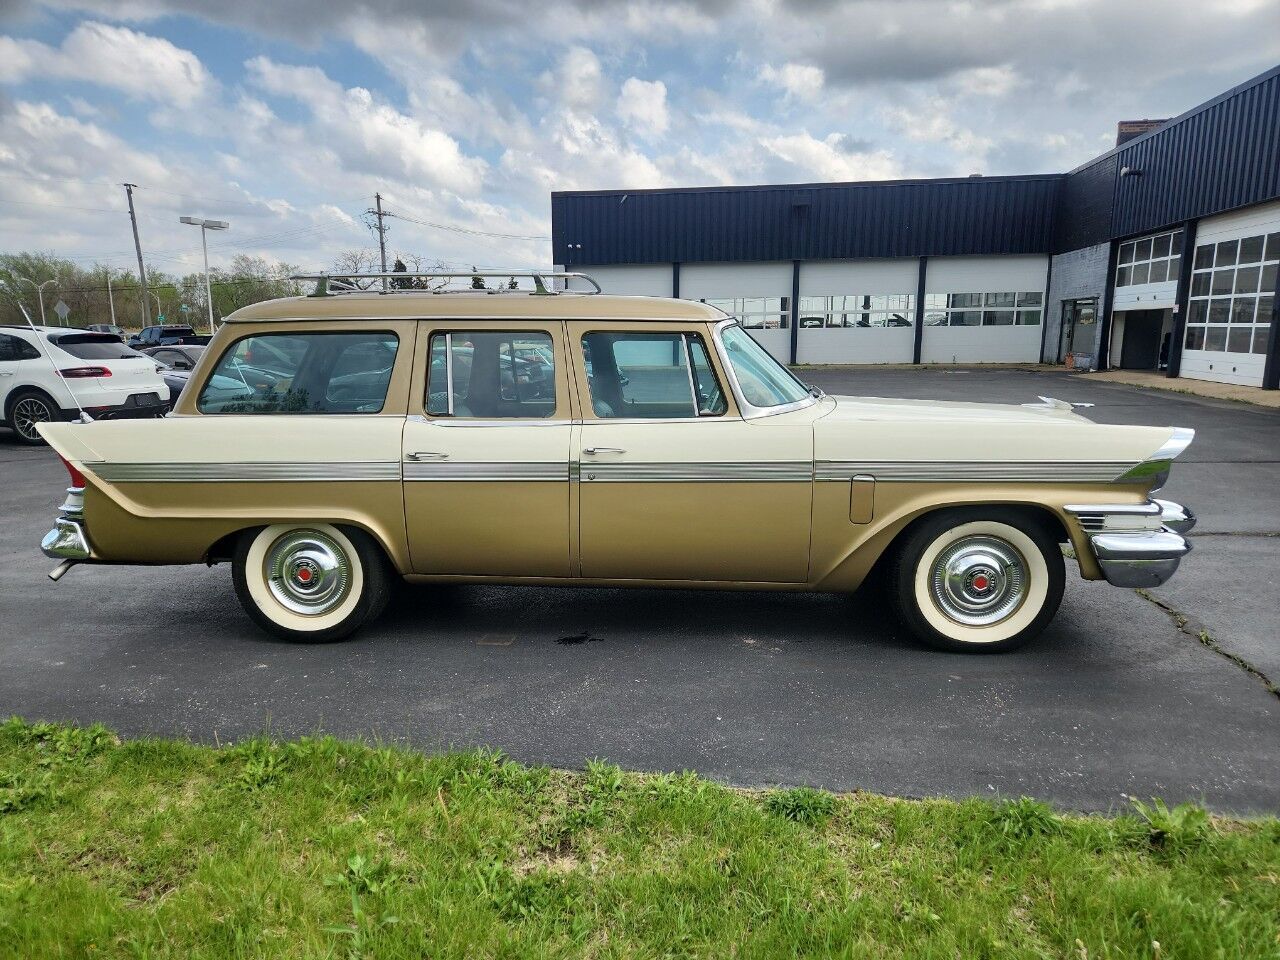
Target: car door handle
593, 451
426, 455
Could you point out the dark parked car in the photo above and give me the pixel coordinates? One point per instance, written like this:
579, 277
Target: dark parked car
181, 356
164, 336
111, 328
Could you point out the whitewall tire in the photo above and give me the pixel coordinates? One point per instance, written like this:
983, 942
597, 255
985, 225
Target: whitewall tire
310, 582
978, 580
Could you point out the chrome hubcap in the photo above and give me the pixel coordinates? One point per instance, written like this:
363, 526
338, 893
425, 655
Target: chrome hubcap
27, 414
978, 581
308, 572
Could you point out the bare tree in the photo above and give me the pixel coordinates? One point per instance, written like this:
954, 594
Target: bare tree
414, 263
351, 262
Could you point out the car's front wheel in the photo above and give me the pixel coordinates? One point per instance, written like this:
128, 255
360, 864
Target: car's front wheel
980, 580
311, 583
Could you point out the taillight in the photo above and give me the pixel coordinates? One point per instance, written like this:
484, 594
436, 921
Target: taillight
77, 478
81, 373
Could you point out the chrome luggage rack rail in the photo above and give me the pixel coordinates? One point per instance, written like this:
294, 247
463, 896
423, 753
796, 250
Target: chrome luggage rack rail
332, 283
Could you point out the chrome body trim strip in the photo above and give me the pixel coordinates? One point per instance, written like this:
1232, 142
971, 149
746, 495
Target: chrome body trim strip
794, 471
1141, 509
552, 471
171, 472
993, 471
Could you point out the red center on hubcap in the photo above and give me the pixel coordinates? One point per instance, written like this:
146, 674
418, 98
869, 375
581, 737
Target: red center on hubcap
304, 575
980, 582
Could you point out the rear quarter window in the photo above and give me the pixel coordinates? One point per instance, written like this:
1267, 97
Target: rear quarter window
94, 346
301, 373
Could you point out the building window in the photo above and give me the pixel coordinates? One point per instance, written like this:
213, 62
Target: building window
858, 310
994, 309
1149, 260
756, 312
1232, 295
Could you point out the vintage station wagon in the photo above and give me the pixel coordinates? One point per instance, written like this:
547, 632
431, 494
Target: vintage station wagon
329, 444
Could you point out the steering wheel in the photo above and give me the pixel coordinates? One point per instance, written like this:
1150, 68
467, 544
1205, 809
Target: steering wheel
712, 401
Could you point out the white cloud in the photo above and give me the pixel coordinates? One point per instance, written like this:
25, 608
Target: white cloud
797, 81
826, 160
143, 66
577, 80
933, 122
642, 105
987, 81
369, 135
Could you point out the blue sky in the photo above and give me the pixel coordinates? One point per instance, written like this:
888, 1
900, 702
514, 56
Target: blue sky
286, 117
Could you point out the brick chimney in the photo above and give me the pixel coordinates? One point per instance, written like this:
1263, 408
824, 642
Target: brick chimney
1127, 130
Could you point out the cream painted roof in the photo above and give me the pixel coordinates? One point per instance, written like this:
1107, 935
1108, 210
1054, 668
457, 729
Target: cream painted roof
413, 305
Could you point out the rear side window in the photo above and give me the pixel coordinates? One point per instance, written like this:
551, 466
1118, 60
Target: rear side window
94, 346
302, 373
15, 348
492, 376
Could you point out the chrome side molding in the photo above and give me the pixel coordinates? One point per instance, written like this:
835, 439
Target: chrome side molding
1156, 467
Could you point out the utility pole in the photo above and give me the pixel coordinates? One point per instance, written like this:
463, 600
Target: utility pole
382, 237
137, 244
111, 299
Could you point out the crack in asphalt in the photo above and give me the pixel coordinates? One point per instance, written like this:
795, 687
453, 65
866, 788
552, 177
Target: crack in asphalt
1237, 533
1198, 631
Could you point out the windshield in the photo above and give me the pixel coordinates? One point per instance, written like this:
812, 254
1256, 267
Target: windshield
94, 346
764, 381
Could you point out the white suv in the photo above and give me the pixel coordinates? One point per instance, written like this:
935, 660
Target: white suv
51, 373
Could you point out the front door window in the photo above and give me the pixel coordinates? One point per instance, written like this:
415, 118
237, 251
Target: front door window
648, 376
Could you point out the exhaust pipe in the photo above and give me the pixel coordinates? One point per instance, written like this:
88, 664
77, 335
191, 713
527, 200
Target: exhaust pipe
60, 570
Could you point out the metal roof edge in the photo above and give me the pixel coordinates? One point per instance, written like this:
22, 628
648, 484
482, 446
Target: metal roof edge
824, 185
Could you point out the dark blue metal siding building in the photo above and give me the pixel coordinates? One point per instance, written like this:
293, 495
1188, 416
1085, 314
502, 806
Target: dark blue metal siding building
1222, 155
905, 218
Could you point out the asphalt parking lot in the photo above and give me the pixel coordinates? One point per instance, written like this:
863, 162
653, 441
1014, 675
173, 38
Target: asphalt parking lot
1113, 701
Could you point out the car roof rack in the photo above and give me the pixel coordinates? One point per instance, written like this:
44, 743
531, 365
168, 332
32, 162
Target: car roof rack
332, 283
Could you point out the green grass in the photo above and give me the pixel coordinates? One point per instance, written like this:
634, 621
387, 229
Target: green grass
320, 848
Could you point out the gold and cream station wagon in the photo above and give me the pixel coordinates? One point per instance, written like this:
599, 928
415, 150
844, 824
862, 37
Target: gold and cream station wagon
330, 444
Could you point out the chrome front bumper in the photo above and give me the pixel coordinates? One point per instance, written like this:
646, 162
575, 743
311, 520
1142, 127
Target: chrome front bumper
1136, 545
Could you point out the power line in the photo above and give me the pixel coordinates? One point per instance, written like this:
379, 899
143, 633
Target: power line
64, 206
454, 228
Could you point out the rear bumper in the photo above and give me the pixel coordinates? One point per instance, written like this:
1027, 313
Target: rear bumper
138, 406
66, 541
1137, 545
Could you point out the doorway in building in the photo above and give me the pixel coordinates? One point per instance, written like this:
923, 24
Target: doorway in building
1140, 349
1079, 327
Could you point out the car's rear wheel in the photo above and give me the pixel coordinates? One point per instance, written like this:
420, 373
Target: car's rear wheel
978, 580
26, 411
311, 583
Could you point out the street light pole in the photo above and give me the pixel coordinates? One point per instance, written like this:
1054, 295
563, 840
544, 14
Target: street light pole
204, 244
39, 289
